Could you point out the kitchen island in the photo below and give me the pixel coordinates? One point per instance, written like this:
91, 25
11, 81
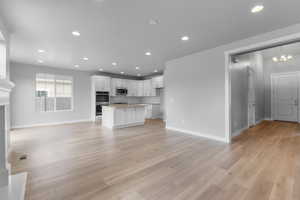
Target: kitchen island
123, 115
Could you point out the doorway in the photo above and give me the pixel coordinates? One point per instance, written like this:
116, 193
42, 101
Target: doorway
285, 96
264, 85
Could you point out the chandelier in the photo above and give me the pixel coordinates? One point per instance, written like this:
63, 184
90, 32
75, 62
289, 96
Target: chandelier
282, 58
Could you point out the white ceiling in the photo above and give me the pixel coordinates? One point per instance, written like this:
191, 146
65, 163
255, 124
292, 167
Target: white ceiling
119, 30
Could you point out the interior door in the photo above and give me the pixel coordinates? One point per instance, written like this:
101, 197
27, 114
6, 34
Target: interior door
285, 97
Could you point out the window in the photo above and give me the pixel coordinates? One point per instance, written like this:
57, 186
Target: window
2, 60
53, 93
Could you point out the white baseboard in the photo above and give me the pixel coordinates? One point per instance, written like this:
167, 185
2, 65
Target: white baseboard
51, 124
15, 190
220, 139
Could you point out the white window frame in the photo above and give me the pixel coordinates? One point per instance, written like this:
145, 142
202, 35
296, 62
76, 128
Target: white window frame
72, 98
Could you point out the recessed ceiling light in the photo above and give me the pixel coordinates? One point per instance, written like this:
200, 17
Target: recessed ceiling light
257, 8
76, 33
114, 64
41, 51
100, 69
76, 66
139, 74
122, 72
40, 61
137, 68
148, 53
289, 57
153, 21
85, 58
185, 38
156, 71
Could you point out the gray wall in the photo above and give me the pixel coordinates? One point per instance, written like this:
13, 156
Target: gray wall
195, 88
271, 67
256, 63
23, 96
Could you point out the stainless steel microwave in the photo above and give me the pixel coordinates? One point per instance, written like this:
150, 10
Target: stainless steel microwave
121, 91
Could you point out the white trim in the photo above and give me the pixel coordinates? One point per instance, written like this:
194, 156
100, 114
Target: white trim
208, 136
228, 135
15, 190
51, 124
278, 40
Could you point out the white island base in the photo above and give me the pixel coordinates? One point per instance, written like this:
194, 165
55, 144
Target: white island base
123, 115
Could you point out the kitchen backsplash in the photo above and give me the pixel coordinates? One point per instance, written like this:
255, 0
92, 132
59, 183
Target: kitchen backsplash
151, 100
129, 100
133, 100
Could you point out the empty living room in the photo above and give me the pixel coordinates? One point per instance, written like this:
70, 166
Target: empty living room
149, 100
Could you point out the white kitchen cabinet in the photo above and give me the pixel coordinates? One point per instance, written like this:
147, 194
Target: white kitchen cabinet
158, 82
98, 83
118, 83
140, 88
132, 87
124, 83
101, 83
120, 116
113, 87
136, 88
148, 88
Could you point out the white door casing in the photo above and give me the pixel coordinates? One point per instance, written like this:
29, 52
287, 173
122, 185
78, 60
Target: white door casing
251, 97
285, 97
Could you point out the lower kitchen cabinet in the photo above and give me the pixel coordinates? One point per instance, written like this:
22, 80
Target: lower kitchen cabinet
120, 116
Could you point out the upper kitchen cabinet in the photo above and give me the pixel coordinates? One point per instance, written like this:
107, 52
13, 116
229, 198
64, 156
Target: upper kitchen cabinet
148, 88
101, 83
140, 88
136, 88
132, 87
158, 82
118, 83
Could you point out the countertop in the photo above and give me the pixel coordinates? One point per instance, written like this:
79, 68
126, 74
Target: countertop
125, 105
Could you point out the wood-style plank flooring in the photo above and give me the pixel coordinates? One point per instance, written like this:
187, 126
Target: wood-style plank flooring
85, 161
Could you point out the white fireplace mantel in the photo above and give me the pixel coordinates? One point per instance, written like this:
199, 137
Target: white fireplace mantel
12, 187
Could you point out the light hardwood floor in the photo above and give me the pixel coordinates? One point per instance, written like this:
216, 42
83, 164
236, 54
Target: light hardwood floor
85, 161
